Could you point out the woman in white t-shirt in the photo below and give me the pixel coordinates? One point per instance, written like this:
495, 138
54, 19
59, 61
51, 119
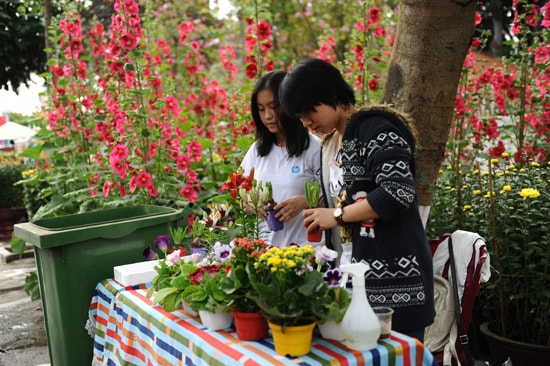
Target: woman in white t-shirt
285, 154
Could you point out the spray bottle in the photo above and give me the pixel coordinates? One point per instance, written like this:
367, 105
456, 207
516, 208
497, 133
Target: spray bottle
360, 325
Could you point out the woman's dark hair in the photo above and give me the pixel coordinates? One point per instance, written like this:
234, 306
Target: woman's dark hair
313, 82
297, 136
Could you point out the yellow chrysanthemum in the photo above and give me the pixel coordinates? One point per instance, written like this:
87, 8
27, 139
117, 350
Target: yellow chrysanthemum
471, 214
477, 192
505, 155
507, 188
535, 164
512, 167
529, 193
467, 207
289, 263
274, 261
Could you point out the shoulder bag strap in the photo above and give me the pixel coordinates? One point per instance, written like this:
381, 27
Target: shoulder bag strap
461, 334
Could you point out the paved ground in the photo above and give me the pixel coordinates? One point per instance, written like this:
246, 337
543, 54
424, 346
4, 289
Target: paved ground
22, 333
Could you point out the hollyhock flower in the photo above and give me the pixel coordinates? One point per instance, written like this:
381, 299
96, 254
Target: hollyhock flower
188, 192
264, 30
128, 41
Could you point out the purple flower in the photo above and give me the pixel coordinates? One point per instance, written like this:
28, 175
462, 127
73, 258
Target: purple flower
222, 252
333, 277
162, 242
324, 255
149, 253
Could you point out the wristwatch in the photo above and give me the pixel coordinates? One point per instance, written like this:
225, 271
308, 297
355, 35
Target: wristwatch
338, 213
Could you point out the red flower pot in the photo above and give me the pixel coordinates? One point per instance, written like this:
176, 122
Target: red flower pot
315, 237
250, 326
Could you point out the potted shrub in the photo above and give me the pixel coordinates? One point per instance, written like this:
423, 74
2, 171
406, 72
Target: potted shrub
12, 203
289, 292
508, 205
250, 323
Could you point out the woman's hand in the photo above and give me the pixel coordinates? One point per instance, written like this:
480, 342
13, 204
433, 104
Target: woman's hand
319, 219
290, 208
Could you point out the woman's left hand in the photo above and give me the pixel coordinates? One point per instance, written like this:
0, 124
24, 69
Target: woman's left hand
290, 208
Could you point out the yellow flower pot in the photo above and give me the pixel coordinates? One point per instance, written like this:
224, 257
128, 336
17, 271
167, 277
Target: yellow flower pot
295, 341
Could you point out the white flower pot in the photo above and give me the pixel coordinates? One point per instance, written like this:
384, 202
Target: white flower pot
215, 321
331, 330
188, 309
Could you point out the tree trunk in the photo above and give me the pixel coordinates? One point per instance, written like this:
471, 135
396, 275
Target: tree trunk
431, 42
47, 22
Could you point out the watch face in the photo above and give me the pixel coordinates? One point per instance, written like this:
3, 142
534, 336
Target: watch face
337, 212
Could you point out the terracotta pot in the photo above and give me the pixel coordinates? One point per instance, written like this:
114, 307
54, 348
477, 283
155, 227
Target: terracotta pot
521, 354
295, 341
250, 326
273, 223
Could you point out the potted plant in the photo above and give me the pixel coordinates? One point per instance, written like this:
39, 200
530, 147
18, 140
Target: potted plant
337, 299
289, 292
205, 295
273, 223
12, 204
506, 203
250, 323
312, 191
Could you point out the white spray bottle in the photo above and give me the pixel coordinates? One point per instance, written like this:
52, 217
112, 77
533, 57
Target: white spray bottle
360, 326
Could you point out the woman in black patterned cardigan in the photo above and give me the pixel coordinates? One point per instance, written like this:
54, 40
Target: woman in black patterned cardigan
368, 160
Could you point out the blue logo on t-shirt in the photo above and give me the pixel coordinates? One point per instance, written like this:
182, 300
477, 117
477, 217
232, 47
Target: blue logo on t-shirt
295, 169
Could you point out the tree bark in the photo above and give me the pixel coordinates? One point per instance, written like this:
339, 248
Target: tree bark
47, 22
431, 42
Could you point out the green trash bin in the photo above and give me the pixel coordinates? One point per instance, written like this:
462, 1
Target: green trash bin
73, 253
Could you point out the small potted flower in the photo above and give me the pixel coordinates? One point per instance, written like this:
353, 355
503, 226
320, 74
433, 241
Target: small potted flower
167, 286
250, 323
312, 191
337, 298
273, 223
205, 293
290, 293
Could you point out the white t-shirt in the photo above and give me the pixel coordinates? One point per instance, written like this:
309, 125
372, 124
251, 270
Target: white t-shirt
287, 176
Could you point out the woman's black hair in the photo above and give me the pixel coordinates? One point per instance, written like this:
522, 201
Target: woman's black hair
297, 136
313, 82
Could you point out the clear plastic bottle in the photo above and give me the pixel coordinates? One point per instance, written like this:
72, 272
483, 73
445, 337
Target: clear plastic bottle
360, 325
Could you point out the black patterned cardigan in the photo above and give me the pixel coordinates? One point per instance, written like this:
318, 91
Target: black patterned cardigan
378, 162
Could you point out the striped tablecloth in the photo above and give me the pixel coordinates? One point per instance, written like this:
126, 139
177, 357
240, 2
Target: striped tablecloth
130, 331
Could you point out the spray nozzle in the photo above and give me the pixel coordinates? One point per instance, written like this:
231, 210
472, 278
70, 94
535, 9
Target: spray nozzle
357, 271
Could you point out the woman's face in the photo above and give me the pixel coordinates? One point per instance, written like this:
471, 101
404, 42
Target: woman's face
267, 111
323, 119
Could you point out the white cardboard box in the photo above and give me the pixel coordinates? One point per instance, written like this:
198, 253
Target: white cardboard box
135, 273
